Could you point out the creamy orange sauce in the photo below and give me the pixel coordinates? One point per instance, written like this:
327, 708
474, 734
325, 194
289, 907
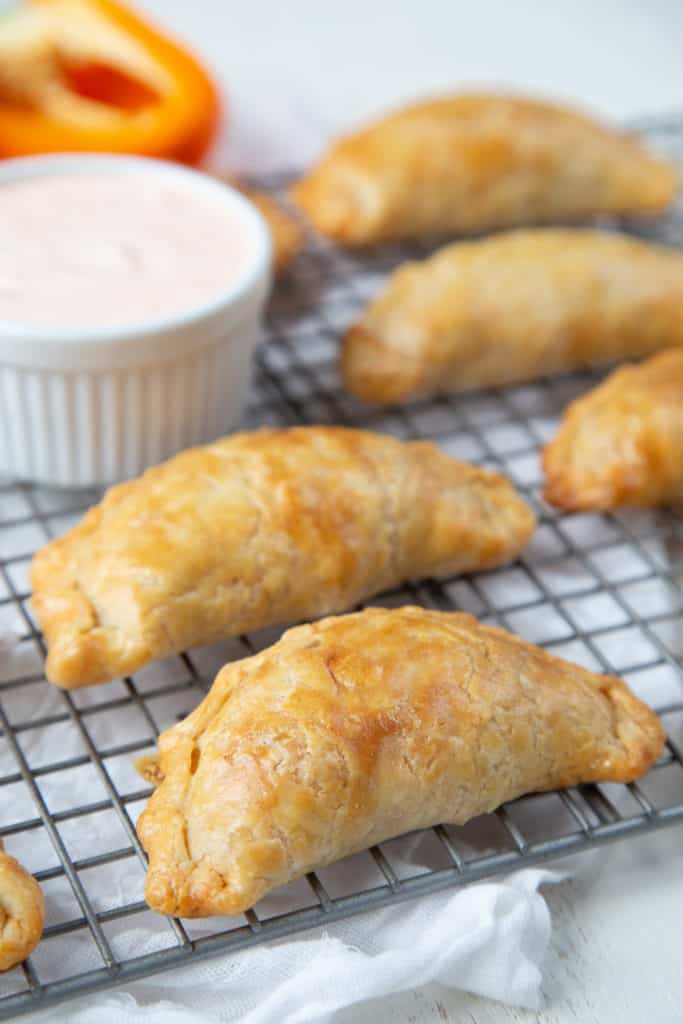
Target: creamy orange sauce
102, 249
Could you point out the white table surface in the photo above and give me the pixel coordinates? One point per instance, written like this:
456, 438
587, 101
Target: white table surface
615, 952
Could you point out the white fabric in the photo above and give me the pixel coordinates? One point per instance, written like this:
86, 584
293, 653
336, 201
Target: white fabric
489, 939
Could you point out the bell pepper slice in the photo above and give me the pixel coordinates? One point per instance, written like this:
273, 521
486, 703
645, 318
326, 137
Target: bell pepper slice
91, 75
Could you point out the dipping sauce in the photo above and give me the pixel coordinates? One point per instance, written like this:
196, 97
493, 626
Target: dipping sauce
102, 250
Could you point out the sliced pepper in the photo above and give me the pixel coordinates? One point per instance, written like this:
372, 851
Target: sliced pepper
91, 75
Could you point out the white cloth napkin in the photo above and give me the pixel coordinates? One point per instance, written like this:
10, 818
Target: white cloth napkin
489, 939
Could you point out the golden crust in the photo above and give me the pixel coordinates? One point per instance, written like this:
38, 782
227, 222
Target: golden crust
285, 233
257, 529
147, 766
514, 307
622, 444
470, 163
356, 729
22, 909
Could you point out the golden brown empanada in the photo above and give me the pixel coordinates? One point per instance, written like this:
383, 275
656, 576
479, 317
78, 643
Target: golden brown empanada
471, 163
22, 909
622, 444
359, 728
512, 308
286, 235
257, 529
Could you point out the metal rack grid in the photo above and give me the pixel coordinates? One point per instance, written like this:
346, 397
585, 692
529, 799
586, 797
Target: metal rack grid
604, 590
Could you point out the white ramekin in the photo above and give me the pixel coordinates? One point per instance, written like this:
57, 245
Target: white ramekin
88, 407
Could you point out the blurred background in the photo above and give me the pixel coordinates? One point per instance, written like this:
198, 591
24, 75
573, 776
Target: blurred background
297, 72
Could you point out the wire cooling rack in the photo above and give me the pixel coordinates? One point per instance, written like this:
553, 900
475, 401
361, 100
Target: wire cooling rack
603, 590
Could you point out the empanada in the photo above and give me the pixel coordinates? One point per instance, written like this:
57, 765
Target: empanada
356, 729
22, 909
257, 529
286, 235
512, 308
622, 444
471, 163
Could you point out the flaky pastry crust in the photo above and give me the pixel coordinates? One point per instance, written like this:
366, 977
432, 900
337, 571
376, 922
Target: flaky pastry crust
512, 308
356, 729
257, 529
22, 909
622, 444
474, 162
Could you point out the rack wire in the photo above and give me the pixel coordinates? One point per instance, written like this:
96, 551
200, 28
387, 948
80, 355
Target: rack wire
603, 590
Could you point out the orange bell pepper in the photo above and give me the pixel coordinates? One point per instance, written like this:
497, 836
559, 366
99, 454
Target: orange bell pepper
91, 75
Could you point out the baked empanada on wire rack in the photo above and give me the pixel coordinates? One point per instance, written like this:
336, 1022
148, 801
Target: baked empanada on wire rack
22, 909
475, 162
259, 529
512, 308
622, 444
356, 729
